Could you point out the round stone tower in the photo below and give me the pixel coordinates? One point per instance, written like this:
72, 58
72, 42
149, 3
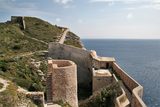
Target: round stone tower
64, 81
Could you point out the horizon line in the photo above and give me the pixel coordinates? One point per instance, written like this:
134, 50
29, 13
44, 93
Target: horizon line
126, 38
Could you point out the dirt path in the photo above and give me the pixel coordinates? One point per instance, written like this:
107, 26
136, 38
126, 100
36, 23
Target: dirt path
34, 39
26, 54
61, 41
5, 84
37, 40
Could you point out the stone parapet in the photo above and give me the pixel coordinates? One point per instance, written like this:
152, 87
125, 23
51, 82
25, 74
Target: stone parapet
101, 62
122, 100
133, 86
137, 94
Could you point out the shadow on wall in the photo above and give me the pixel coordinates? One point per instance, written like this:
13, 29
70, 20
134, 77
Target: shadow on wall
83, 61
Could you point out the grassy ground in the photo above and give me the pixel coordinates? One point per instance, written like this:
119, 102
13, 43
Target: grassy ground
41, 30
20, 71
15, 64
11, 98
13, 42
72, 40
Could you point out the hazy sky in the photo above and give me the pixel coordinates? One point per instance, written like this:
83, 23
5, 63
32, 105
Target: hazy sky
93, 18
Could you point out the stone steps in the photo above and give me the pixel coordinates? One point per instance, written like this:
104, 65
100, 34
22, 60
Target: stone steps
49, 87
128, 94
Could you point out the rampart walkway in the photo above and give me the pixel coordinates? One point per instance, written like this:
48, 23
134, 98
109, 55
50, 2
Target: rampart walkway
61, 41
128, 93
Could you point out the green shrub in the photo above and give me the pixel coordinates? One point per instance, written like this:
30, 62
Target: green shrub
103, 98
16, 47
3, 66
23, 82
12, 98
62, 103
36, 87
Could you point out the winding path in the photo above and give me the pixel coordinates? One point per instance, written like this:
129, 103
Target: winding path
37, 40
26, 54
5, 84
61, 41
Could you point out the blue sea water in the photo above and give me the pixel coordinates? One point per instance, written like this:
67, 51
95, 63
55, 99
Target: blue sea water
139, 58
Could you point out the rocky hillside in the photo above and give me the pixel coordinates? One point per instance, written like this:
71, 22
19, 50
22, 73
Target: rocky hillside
11, 97
23, 57
74, 40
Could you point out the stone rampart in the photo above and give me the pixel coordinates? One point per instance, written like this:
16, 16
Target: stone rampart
134, 87
101, 62
137, 94
87, 60
106, 63
64, 82
122, 100
81, 57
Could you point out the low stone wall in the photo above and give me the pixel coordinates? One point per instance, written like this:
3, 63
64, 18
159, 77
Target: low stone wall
36, 96
101, 62
134, 87
137, 97
81, 57
122, 100
128, 81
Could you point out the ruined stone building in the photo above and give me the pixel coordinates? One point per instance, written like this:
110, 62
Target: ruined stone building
63, 76
62, 82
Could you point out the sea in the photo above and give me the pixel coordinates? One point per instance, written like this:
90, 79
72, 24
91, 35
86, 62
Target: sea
139, 58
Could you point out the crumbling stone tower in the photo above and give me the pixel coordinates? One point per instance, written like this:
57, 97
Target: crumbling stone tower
62, 82
20, 20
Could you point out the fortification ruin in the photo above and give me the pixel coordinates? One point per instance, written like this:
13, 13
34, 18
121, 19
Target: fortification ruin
101, 78
100, 71
62, 82
20, 20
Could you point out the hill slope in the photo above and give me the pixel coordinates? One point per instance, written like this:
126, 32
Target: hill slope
22, 52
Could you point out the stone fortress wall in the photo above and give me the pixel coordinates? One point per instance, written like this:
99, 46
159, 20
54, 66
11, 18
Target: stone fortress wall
122, 100
105, 63
92, 68
132, 85
81, 57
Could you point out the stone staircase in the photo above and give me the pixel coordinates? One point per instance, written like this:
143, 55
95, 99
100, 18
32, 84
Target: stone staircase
128, 93
49, 87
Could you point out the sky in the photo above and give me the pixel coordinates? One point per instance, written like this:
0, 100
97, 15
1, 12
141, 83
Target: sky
117, 19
